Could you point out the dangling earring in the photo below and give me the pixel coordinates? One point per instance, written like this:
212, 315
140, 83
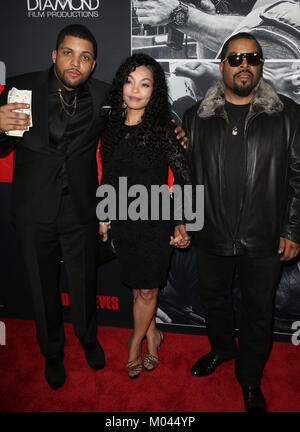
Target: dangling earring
124, 108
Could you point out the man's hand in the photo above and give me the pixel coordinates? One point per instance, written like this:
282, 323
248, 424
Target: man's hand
162, 317
10, 120
154, 12
207, 6
203, 74
103, 230
180, 134
289, 249
181, 239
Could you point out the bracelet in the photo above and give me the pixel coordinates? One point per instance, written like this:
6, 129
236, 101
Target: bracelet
105, 223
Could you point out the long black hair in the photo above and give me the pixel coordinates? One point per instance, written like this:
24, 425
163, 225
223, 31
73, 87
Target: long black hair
156, 120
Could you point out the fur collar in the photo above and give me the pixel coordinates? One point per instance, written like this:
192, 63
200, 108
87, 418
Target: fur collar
265, 99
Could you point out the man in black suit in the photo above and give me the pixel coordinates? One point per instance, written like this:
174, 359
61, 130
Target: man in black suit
54, 187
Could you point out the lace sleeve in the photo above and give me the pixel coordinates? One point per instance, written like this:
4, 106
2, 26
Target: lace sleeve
105, 180
176, 158
105, 163
106, 173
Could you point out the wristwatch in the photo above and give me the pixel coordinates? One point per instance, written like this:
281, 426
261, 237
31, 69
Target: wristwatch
179, 15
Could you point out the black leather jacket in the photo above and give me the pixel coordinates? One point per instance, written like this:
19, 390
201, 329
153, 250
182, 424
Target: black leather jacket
270, 205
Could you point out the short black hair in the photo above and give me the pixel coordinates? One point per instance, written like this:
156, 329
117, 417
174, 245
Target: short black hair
77, 30
242, 35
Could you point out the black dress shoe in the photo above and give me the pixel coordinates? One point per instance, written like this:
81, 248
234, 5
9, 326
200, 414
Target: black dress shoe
254, 399
207, 364
55, 372
94, 355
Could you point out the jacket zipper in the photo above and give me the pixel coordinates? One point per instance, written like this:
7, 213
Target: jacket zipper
221, 178
245, 183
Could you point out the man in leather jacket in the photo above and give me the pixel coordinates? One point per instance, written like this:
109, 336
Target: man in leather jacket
244, 147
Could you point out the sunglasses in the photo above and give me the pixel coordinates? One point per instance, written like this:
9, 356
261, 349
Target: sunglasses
253, 59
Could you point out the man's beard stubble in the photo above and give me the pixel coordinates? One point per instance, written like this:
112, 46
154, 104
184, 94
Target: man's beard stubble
66, 82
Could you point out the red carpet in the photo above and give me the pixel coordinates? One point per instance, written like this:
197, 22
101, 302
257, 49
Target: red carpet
170, 388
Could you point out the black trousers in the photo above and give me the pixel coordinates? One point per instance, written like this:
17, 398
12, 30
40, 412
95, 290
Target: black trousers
258, 280
44, 245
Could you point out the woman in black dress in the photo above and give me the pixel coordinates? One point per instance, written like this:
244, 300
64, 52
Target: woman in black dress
137, 147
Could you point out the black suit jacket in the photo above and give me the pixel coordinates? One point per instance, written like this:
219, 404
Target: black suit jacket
37, 165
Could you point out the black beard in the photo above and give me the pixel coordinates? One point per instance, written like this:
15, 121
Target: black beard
60, 76
242, 91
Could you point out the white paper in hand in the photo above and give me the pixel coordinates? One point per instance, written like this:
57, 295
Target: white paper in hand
20, 96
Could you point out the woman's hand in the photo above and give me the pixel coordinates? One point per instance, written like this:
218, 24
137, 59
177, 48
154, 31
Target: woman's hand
181, 239
103, 230
180, 135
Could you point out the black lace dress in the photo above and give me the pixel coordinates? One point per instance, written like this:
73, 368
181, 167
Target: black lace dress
142, 246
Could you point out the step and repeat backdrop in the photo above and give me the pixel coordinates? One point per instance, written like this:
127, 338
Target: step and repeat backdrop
189, 57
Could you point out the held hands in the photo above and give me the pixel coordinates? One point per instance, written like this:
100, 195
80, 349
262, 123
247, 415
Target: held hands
10, 120
288, 248
181, 239
180, 134
103, 230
